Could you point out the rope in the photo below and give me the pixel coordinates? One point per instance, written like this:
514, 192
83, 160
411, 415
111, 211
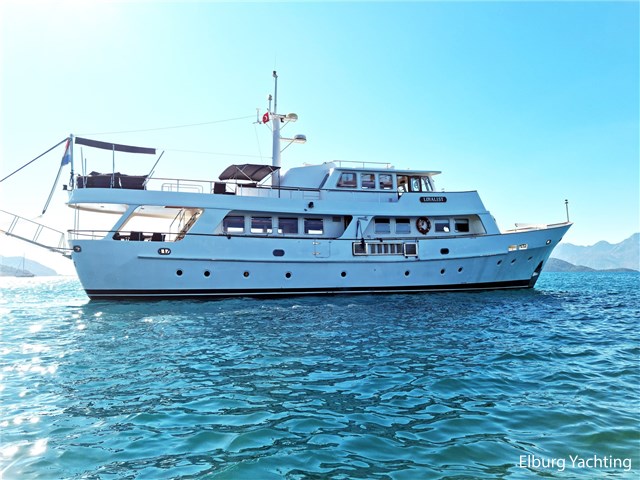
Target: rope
169, 128
211, 153
28, 163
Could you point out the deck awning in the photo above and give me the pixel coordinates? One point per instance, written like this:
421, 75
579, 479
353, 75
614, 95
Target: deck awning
248, 172
114, 146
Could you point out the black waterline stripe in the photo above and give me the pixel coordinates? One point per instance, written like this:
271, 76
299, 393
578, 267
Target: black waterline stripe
183, 293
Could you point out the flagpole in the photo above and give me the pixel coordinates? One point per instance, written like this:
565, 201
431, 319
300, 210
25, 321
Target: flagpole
67, 150
55, 183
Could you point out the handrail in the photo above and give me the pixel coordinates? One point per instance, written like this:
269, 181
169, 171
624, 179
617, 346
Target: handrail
31, 232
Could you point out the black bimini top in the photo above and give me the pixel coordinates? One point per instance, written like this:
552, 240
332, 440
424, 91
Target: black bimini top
248, 172
114, 146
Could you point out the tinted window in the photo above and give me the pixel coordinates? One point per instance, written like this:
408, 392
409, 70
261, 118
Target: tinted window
347, 180
382, 225
443, 226
288, 226
367, 180
233, 224
313, 226
261, 225
403, 183
403, 225
386, 182
461, 225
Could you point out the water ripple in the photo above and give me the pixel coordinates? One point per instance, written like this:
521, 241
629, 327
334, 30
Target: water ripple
460, 385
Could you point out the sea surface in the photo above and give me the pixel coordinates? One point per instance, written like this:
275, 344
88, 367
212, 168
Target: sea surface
512, 384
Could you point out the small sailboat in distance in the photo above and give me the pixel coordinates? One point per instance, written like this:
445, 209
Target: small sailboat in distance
22, 272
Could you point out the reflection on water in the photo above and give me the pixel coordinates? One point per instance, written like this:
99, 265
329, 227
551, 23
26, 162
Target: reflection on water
399, 386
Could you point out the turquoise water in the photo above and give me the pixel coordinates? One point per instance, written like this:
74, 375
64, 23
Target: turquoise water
512, 384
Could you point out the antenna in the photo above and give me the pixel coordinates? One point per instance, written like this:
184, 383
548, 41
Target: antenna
275, 93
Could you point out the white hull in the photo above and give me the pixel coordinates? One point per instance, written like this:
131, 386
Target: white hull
110, 269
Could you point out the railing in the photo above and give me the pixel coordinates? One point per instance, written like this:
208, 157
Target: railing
128, 236
33, 232
386, 165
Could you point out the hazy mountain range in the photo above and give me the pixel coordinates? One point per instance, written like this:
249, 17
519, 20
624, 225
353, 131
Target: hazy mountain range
601, 256
10, 266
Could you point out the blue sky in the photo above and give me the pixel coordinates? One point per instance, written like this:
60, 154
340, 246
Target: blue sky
528, 103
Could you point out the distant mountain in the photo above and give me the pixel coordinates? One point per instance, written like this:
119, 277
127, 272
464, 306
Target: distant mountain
9, 266
603, 255
557, 265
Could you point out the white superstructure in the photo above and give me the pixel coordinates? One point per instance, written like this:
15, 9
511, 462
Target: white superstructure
322, 229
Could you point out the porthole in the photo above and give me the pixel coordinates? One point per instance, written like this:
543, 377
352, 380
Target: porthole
499, 262
529, 259
77, 248
459, 269
179, 273
513, 261
288, 274
444, 251
407, 273
442, 271
343, 274
278, 252
207, 273
246, 274
548, 242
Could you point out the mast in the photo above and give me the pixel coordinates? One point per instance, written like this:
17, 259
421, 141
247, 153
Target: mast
277, 121
276, 159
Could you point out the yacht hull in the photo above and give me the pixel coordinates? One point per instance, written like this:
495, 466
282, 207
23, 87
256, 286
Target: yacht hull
223, 266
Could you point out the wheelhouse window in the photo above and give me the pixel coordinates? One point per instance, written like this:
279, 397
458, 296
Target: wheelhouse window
261, 225
461, 225
313, 226
426, 184
233, 224
403, 225
382, 225
288, 226
403, 183
442, 226
415, 184
347, 180
368, 180
385, 181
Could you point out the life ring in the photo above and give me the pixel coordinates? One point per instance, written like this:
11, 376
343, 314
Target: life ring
423, 224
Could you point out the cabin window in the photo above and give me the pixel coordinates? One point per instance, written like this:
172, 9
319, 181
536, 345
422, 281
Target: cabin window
313, 226
415, 184
233, 224
403, 183
261, 225
442, 226
382, 225
461, 225
288, 226
347, 180
403, 225
368, 180
426, 186
385, 181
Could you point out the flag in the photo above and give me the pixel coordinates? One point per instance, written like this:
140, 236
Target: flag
265, 118
66, 158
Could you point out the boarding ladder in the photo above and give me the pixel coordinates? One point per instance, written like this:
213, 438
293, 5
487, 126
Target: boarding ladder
33, 232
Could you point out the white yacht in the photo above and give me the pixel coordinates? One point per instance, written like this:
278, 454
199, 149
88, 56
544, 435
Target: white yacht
332, 228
